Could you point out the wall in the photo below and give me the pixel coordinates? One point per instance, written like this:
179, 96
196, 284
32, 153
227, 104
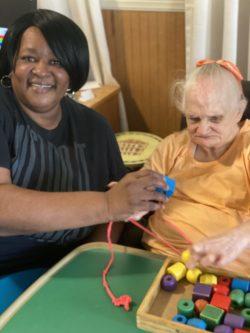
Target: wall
147, 50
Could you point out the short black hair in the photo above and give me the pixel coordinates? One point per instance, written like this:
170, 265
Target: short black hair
66, 40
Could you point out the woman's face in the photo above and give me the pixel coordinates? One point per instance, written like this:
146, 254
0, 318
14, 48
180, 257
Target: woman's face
208, 123
38, 79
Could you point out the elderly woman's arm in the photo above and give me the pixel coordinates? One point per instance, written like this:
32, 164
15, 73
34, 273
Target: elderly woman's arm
223, 249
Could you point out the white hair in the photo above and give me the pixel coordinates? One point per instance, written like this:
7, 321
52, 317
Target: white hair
227, 90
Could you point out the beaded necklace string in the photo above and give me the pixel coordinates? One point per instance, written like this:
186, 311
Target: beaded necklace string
125, 300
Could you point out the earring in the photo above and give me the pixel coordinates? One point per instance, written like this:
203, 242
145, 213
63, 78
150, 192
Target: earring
5, 81
69, 93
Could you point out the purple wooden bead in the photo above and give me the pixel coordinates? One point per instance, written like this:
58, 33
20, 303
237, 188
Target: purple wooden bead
168, 282
234, 321
202, 291
223, 329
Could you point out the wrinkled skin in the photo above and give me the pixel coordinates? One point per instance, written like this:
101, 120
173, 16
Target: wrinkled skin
230, 250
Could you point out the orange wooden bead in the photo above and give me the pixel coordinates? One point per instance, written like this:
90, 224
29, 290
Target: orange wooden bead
199, 305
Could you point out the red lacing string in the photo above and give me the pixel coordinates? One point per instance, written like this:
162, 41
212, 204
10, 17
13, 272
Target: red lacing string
125, 300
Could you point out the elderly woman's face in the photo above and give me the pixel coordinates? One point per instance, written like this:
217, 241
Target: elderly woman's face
209, 124
38, 80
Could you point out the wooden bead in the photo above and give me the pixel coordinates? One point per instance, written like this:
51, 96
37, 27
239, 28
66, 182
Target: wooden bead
237, 297
178, 270
208, 279
245, 313
234, 320
185, 256
242, 284
226, 281
221, 301
198, 323
192, 275
202, 291
168, 282
221, 289
179, 318
212, 316
223, 329
199, 305
247, 300
186, 307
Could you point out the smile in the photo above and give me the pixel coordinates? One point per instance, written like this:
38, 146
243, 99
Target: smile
41, 85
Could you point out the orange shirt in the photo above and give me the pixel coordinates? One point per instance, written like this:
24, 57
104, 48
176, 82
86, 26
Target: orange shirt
210, 197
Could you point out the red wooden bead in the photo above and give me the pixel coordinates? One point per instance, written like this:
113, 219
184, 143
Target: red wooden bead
226, 281
221, 289
199, 305
221, 301
239, 330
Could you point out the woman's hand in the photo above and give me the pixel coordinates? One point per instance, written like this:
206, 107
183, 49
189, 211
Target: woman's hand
221, 250
135, 193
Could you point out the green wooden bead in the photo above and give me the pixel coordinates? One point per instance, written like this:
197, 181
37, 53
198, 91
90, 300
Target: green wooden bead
238, 297
246, 314
247, 300
186, 307
212, 316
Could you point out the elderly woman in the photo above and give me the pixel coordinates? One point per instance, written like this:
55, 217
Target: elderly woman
57, 157
210, 161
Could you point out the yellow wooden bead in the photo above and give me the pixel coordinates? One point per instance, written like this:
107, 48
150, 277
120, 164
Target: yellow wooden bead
193, 275
185, 256
208, 279
178, 270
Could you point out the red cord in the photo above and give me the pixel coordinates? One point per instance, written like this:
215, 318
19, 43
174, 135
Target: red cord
154, 235
125, 300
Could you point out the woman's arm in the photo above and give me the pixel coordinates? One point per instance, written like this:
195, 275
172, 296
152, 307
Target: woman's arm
223, 249
24, 211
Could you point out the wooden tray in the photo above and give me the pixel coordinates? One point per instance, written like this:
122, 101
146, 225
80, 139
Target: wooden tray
159, 307
70, 296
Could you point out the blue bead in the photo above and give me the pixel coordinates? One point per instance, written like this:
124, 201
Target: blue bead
171, 187
242, 284
196, 322
180, 319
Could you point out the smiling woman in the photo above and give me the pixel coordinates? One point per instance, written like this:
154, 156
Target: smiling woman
38, 79
57, 156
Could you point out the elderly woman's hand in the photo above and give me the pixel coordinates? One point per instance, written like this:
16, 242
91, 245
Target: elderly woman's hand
135, 193
221, 250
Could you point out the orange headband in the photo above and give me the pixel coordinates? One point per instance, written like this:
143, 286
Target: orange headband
224, 63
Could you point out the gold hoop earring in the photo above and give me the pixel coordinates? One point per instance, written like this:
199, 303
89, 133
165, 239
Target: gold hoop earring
5, 81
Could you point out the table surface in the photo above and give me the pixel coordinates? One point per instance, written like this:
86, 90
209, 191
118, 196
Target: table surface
100, 95
71, 298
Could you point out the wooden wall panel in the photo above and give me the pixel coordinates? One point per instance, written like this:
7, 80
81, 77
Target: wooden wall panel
147, 49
